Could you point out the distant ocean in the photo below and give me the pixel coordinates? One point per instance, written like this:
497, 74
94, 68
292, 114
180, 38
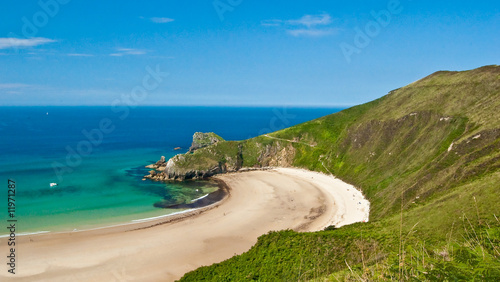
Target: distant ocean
97, 158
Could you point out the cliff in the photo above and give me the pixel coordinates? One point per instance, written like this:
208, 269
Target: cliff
201, 140
208, 162
426, 156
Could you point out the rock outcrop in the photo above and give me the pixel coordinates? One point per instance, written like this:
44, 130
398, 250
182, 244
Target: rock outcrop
201, 140
159, 165
178, 168
173, 171
210, 155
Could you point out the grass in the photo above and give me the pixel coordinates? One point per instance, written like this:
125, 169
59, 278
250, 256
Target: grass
427, 156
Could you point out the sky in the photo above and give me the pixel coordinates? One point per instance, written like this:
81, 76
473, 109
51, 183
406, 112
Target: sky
234, 52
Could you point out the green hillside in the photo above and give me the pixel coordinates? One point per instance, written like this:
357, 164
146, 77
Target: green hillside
427, 157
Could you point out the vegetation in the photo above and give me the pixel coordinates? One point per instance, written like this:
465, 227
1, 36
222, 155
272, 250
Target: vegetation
427, 157
201, 140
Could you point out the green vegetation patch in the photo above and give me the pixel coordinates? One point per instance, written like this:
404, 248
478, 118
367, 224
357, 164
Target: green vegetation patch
426, 156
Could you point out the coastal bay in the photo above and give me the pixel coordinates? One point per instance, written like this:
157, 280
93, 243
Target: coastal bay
103, 186
165, 248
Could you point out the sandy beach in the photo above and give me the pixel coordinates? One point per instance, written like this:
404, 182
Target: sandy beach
166, 248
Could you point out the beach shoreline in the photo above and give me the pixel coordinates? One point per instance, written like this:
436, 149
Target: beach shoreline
183, 210
258, 201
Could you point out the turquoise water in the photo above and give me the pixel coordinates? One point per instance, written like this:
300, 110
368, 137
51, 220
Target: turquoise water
106, 189
103, 184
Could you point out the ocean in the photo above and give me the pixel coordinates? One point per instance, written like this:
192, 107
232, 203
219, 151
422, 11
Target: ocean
97, 157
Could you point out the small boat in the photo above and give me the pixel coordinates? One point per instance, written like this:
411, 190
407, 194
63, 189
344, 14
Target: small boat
177, 148
53, 184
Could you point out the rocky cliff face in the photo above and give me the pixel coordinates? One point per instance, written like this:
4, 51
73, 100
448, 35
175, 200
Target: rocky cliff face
221, 156
181, 167
201, 140
277, 154
174, 171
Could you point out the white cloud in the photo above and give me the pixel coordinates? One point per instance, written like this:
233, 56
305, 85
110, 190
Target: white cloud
128, 51
272, 22
11, 42
79, 55
312, 20
163, 57
13, 85
161, 20
311, 32
17, 88
307, 25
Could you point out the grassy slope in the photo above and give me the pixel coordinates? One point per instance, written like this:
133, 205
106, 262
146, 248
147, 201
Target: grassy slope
433, 208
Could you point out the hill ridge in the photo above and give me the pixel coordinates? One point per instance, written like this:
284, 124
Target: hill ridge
426, 155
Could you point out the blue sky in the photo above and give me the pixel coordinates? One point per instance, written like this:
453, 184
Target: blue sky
235, 52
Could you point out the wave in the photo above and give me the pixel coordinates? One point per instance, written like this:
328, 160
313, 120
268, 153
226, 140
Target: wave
24, 234
161, 216
192, 201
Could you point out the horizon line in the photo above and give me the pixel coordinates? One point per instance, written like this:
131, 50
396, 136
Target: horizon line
199, 106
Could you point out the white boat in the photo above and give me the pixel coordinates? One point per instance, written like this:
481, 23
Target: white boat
53, 184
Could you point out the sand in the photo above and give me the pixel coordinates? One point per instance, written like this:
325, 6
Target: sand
258, 202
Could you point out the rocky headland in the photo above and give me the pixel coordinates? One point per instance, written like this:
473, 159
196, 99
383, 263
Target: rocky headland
164, 170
